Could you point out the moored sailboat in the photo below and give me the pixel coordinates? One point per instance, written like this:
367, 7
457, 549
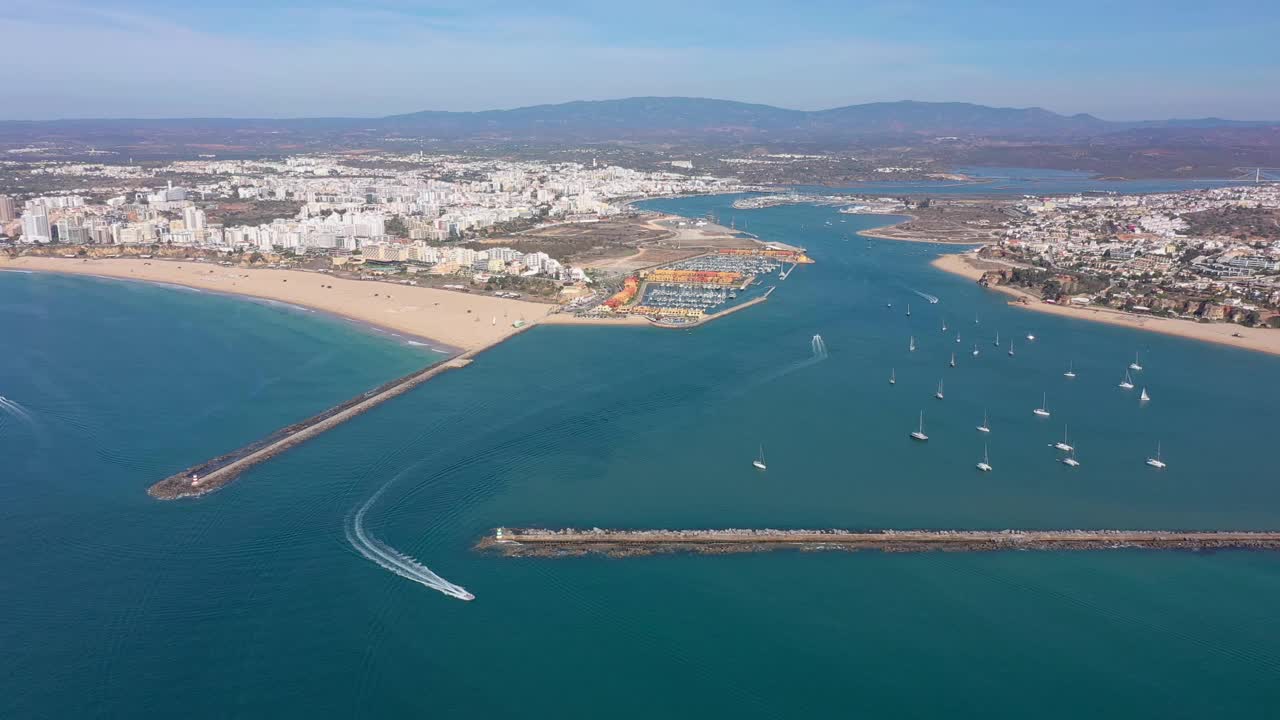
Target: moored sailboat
1063, 445
985, 465
1157, 462
1043, 410
918, 433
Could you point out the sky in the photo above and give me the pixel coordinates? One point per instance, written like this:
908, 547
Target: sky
238, 58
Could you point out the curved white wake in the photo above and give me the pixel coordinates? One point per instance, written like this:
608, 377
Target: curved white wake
16, 410
933, 299
391, 559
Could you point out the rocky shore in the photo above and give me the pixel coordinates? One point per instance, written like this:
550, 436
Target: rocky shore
634, 543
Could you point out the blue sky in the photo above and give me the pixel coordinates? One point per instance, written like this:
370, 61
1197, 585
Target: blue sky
1118, 60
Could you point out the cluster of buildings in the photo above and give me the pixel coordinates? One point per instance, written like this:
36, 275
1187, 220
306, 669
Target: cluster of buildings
394, 208
1146, 251
418, 256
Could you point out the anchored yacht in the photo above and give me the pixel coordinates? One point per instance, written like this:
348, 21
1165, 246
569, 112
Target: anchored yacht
1156, 462
1043, 410
918, 434
985, 465
759, 461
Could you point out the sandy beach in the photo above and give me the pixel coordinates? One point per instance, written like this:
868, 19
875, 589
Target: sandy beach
1267, 341
460, 321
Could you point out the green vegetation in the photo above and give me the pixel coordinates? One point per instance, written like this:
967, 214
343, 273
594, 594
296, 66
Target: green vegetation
1254, 224
395, 226
540, 287
252, 212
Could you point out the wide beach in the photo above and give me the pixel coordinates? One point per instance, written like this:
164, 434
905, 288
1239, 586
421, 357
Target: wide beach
462, 321
1267, 341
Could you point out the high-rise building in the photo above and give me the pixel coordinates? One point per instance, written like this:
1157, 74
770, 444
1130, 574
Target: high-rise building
8, 210
193, 218
35, 225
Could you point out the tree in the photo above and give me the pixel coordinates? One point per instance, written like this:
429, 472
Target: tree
395, 225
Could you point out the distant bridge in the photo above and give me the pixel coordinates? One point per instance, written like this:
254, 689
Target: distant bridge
1256, 174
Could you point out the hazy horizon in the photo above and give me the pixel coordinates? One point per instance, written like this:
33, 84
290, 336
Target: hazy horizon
143, 59
1063, 112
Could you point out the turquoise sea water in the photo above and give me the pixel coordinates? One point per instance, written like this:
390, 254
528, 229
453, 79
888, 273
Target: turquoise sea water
251, 602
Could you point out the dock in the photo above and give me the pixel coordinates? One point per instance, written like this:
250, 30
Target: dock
535, 542
214, 474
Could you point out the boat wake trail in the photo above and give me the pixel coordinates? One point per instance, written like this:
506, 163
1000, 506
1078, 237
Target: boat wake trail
12, 408
819, 347
391, 559
933, 299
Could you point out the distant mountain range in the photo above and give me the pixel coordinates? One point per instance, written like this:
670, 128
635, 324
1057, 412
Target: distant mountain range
680, 118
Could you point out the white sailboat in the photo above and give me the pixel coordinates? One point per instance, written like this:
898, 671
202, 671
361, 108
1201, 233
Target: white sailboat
984, 427
1031, 337
1042, 411
1063, 445
1070, 460
911, 345
918, 433
996, 343
944, 326
908, 309
953, 359
893, 377
1135, 365
939, 393
759, 461
985, 465
1010, 348
975, 350
957, 337
1070, 373
1144, 397
1156, 462
975, 318
1127, 383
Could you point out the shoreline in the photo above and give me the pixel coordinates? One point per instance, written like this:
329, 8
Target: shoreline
423, 342
441, 321
1254, 339
878, 232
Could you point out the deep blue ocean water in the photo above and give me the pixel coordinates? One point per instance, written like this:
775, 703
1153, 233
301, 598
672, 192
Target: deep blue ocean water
251, 602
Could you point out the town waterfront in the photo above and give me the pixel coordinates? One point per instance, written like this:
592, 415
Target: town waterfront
253, 602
